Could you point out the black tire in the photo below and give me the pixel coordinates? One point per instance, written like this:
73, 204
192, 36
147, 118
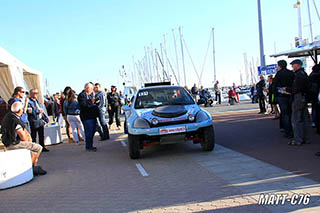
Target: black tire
125, 127
208, 139
134, 146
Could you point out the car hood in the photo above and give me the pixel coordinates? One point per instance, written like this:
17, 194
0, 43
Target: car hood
149, 114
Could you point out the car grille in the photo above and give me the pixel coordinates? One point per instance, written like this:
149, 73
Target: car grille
171, 123
169, 115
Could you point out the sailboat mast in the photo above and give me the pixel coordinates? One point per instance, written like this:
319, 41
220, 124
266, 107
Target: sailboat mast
175, 48
310, 23
214, 58
246, 68
163, 69
184, 69
166, 55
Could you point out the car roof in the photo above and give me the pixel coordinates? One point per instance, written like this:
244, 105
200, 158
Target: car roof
161, 87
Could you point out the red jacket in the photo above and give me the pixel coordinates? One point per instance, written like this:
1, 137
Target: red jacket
232, 93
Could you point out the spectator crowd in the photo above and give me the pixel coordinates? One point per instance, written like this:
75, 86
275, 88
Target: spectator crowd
83, 115
289, 93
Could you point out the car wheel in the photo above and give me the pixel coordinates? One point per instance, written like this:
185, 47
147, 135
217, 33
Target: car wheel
208, 139
125, 127
134, 146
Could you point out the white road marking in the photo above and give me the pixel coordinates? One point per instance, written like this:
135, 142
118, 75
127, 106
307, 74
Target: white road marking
123, 143
141, 170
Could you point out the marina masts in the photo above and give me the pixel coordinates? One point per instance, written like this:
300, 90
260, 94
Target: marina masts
175, 48
183, 65
214, 58
310, 23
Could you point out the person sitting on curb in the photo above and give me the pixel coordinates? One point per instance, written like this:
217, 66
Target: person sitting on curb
16, 136
208, 98
232, 96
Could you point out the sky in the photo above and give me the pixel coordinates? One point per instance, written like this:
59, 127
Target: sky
73, 42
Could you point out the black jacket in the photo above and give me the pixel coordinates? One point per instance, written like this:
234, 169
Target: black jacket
261, 85
283, 78
194, 90
314, 79
88, 110
300, 83
8, 129
113, 99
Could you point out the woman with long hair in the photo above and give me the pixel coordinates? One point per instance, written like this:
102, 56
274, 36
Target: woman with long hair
72, 110
63, 98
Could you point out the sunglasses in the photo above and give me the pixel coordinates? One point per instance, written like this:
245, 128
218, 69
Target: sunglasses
22, 91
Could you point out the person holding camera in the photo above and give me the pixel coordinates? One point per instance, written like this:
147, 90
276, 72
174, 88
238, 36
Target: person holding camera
89, 112
37, 119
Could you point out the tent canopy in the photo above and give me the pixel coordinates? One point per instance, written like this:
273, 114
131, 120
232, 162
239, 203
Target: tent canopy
14, 73
312, 49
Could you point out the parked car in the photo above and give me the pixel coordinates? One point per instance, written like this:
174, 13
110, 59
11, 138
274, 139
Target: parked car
166, 115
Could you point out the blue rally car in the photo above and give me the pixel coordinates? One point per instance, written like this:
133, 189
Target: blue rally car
166, 115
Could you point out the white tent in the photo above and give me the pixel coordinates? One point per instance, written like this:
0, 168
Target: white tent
14, 73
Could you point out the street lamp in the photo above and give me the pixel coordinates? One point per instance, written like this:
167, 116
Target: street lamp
262, 57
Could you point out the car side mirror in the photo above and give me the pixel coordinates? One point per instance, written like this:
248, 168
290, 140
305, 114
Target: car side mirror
126, 108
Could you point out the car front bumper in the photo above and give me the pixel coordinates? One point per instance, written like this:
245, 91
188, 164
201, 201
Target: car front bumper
189, 127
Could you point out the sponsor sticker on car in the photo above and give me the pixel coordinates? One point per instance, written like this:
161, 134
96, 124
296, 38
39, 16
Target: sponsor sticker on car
172, 130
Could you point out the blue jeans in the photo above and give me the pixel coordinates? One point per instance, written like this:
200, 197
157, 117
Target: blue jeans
103, 125
89, 130
285, 115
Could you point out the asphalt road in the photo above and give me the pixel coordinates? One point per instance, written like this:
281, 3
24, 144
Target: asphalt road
258, 136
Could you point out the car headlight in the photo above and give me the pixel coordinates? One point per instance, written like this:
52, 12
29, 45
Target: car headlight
155, 121
201, 116
191, 117
141, 124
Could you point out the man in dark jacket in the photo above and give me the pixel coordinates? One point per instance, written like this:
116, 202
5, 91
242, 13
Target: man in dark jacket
284, 78
261, 85
194, 92
114, 106
300, 114
100, 101
314, 78
89, 112
37, 119
317, 80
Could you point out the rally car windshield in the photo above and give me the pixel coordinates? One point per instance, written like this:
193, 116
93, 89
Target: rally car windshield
154, 97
